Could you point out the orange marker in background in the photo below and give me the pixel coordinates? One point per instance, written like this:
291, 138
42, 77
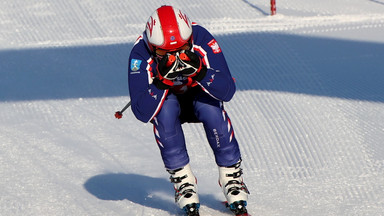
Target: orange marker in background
171, 59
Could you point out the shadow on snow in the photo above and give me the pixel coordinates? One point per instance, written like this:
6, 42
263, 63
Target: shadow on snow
258, 61
143, 190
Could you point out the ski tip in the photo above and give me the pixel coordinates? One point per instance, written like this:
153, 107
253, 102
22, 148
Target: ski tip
234, 208
192, 209
244, 214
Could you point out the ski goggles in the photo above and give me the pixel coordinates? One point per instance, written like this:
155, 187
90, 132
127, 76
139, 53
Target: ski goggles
160, 53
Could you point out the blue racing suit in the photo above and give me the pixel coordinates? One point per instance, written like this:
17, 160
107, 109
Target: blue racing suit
185, 102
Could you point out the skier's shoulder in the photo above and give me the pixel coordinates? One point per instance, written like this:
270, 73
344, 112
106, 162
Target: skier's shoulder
139, 48
201, 36
199, 30
197, 27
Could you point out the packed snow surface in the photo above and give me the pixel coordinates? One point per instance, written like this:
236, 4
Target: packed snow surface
308, 113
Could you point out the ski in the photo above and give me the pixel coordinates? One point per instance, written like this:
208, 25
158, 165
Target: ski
237, 208
192, 209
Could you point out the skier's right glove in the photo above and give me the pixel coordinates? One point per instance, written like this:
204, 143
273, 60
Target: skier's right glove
165, 72
193, 65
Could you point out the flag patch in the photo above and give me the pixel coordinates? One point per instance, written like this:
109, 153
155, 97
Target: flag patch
214, 46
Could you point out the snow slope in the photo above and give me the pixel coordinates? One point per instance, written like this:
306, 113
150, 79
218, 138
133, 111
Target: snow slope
309, 111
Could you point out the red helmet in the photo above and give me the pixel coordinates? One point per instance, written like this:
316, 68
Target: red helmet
168, 29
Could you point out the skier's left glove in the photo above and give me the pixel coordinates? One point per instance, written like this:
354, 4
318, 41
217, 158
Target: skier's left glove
166, 72
192, 65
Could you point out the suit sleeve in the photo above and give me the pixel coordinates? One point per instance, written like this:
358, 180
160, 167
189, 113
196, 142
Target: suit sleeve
218, 82
146, 99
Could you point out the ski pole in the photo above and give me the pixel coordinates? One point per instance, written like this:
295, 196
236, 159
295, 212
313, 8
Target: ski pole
119, 114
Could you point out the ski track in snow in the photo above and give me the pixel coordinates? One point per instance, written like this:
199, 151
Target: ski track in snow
311, 144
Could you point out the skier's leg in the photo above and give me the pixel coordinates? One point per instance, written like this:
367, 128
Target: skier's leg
218, 129
170, 139
220, 135
169, 134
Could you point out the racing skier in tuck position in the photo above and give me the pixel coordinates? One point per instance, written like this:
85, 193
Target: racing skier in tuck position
178, 74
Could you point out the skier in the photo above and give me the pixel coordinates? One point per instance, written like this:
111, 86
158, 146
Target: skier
178, 74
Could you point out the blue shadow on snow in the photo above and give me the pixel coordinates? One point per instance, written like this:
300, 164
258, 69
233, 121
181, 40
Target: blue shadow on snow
259, 61
142, 190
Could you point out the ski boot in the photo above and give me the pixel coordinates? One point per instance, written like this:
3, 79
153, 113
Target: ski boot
185, 185
234, 188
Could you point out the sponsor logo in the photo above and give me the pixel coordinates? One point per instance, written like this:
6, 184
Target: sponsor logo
211, 80
184, 17
217, 138
135, 64
152, 94
214, 46
150, 25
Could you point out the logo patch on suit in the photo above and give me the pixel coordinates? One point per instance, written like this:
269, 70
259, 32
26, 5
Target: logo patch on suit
214, 46
135, 64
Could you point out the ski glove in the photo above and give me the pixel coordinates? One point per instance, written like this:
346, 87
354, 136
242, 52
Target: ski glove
191, 65
186, 63
165, 72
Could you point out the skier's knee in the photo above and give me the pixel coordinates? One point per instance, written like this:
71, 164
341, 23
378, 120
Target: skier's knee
175, 158
227, 155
